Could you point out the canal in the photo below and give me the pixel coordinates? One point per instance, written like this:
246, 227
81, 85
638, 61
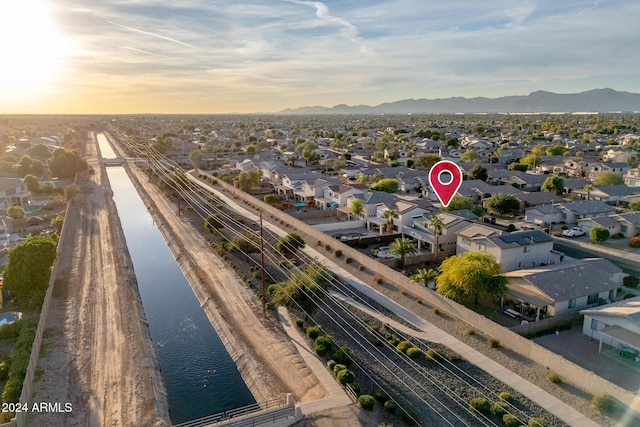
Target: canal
199, 375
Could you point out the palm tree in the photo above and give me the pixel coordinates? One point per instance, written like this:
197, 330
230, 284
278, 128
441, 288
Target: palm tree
424, 276
388, 215
588, 188
438, 225
402, 246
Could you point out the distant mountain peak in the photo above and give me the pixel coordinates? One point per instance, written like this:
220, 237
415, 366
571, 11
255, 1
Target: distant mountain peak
600, 100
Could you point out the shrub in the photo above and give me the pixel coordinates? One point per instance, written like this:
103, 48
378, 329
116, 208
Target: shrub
511, 421
356, 388
506, 396
390, 406
555, 378
634, 242
414, 353
537, 422
480, 404
331, 364
403, 346
321, 350
271, 289
361, 268
599, 234
602, 402
343, 356
378, 280
381, 396
366, 402
493, 343
394, 341
337, 253
314, 332
338, 367
500, 408
511, 227
631, 281
299, 323
436, 311
470, 331
324, 340
327, 247
433, 354
345, 377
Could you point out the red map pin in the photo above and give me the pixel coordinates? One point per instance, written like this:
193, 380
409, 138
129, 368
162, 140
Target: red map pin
447, 189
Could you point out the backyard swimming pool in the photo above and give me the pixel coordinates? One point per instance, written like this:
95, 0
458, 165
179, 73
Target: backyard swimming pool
9, 317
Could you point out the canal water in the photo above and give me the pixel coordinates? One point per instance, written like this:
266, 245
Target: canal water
200, 377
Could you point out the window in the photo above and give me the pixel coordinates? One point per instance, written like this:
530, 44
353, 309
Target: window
594, 325
466, 241
623, 228
572, 303
592, 299
527, 249
482, 246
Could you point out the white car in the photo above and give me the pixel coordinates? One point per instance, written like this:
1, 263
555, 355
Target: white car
574, 232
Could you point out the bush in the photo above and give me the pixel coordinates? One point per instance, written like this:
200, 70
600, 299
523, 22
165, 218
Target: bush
378, 280
324, 340
469, 331
631, 281
500, 408
511, 421
345, 377
433, 354
555, 378
493, 343
634, 242
602, 402
599, 234
381, 396
480, 404
343, 356
338, 367
403, 346
390, 406
348, 260
506, 396
331, 364
337, 253
321, 350
314, 332
511, 228
537, 422
356, 388
366, 402
299, 323
414, 353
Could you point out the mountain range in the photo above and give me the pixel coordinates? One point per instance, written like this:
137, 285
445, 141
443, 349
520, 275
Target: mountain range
597, 100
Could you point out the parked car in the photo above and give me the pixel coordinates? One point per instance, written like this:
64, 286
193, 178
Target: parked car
574, 232
629, 352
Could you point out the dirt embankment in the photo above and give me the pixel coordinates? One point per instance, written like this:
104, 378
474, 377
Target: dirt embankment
266, 359
97, 352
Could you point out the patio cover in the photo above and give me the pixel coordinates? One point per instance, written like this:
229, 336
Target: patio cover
527, 294
300, 204
623, 335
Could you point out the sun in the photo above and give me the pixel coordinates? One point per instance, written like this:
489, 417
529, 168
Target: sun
32, 50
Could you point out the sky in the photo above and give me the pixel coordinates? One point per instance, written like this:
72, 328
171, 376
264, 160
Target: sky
240, 56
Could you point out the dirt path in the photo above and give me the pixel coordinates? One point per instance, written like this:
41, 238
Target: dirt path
266, 359
98, 354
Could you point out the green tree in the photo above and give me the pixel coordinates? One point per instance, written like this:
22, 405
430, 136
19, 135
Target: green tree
402, 246
469, 156
424, 276
66, 163
32, 183
214, 222
57, 222
195, 158
605, 179
515, 166
557, 150
438, 225
458, 203
635, 205
479, 172
553, 184
27, 273
304, 288
388, 185
289, 244
599, 234
70, 191
503, 204
466, 277
271, 199
589, 188
356, 207
426, 162
16, 212
532, 160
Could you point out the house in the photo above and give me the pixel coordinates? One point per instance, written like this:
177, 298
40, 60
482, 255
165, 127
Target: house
511, 155
566, 287
615, 167
567, 212
420, 231
617, 155
13, 191
336, 196
607, 222
632, 177
412, 180
616, 324
610, 193
472, 237
310, 189
525, 181
514, 251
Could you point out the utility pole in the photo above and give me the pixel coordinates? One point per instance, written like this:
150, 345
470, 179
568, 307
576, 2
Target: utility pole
264, 288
